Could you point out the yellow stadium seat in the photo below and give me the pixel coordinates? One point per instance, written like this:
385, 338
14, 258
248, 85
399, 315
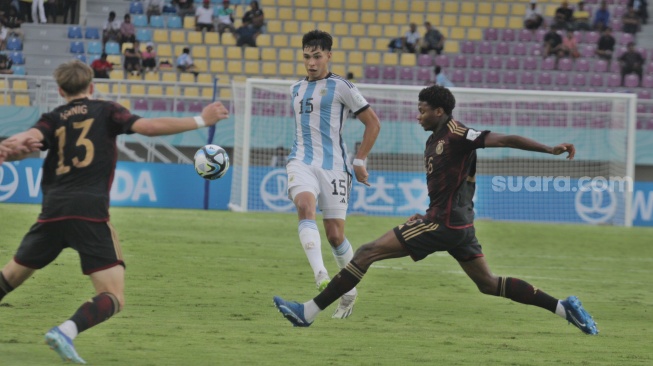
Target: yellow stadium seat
268, 2
173, 91
191, 92
474, 34
216, 52
366, 45
228, 40
189, 22
372, 58
370, 5
306, 27
160, 36
334, 16
399, 18
102, 88
451, 47
348, 43
449, 20
186, 78
390, 59
198, 52
169, 77
264, 40
300, 69
318, 4
5, 99
235, 67
201, 64
269, 68
119, 89
225, 93
252, 53
499, 22
400, 6
339, 69
482, 21
179, 49
234, 53
341, 29
290, 27
3, 84
137, 89
451, 7
381, 44
515, 22
295, 40
20, 85
501, 9
355, 57
195, 38
484, 9
374, 30
391, 32
351, 17
518, 9
280, 40
334, 4
339, 57
417, 6
417, 18
268, 54
324, 26
217, 66
117, 75
285, 14
357, 30
549, 10
434, 7
270, 13
384, 5
381, 18
457, 33
252, 68
152, 76
301, 14
408, 59
357, 70
318, 16
468, 8
466, 21
204, 78
114, 59
352, 4
302, 3
211, 38
125, 103
208, 92
125, 46
178, 36
286, 68
274, 26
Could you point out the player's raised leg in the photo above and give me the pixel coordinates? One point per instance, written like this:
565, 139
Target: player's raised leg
343, 254
523, 292
12, 276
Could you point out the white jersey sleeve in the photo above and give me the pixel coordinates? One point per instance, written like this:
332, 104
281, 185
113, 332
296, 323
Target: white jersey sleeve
349, 95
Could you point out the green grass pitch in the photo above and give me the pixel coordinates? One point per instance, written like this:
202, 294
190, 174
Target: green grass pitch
200, 284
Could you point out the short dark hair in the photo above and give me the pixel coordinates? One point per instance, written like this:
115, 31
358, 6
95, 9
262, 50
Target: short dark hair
317, 39
437, 96
437, 70
186, 50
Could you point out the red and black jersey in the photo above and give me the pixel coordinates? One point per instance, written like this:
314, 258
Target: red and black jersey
78, 169
450, 161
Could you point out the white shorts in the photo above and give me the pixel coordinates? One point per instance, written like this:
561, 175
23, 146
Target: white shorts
331, 188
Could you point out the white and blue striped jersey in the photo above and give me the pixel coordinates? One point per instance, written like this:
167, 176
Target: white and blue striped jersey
321, 107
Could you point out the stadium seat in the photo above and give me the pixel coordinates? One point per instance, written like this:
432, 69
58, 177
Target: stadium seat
174, 22
529, 63
136, 7
647, 82
510, 78
596, 80
143, 35
527, 78
141, 104
548, 63
644, 93
502, 48
587, 51
81, 57
139, 20
475, 77
582, 65
440, 60
460, 61
565, 64
495, 62
14, 44
92, 33
491, 34
492, 77
512, 63
156, 21
425, 60
525, 35
458, 76
484, 48
94, 47
159, 105
562, 79
17, 58
22, 100
519, 49
614, 81
423, 74
195, 107
468, 47
407, 75
75, 32
600, 66
544, 79
508, 35
591, 37
76, 47
389, 74
371, 73
631, 81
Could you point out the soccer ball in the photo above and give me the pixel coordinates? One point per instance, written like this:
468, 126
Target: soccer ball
211, 162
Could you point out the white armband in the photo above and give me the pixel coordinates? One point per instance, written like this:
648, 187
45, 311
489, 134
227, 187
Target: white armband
200, 121
358, 162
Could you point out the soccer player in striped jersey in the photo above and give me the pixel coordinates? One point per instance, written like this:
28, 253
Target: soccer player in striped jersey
318, 168
448, 225
77, 175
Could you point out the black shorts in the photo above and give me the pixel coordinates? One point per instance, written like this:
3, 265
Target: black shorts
422, 237
96, 242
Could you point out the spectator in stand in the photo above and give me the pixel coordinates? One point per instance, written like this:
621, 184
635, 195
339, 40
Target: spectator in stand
127, 30
433, 40
13, 22
602, 17
564, 16
225, 19
101, 67
133, 58
630, 21
441, 79
533, 18
254, 16
184, 7
605, 46
582, 17
111, 30
185, 62
4, 33
410, 41
570, 46
552, 43
153, 7
69, 6
149, 58
641, 8
631, 62
204, 17
25, 10
246, 35
50, 7
5, 64
38, 11
278, 160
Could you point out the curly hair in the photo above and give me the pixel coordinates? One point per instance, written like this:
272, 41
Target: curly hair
317, 39
437, 96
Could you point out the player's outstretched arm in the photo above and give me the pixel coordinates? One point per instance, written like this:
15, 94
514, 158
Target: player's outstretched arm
18, 146
524, 143
372, 129
159, 126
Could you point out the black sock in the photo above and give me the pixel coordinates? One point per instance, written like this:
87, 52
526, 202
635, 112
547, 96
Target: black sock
344, 281
94, 312
5, 287
523, 292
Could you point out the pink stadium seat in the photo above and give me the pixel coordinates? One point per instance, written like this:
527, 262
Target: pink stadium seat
440, 60
631, 81
544, 79
565, 64
180, 106
548, 63
508, 35
596, 80
460, 61
641, 108
426, 60
494, 62
615, 24
580, 80
492, 77
618, 11
649, 68
647, 82
502, 48
600, 66
407, 74
510, 78
485, 48
423, 74
372, 73
582, 65
524, 119
512, 63
625, 38
591, 37
643, 51
491, 34
525, 35
195, 107
615, 67
539, 35
468, 47
562, 79
587, 50
530, 63
141, 104
614, 81
159, 105
477, 62
458, 76
519, 49
389, 74
475, 77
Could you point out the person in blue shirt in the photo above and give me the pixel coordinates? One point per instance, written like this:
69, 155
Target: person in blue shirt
602, 17
441, 79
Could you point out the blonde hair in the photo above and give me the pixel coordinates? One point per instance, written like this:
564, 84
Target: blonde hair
73, 77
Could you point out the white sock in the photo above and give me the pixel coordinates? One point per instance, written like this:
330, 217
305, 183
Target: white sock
343, 255
560, 310
310, 311
309, 236
69, 328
